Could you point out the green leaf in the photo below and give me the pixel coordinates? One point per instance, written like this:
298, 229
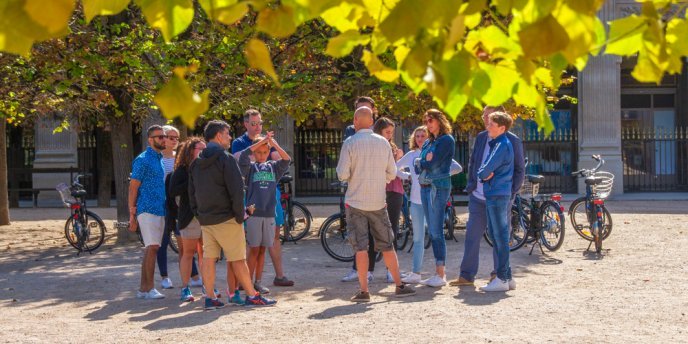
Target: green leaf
225, 11
343, 44
409, 16
589, 7
378, 69
277, 22
543, 38
457, 28
626, 35
171, 17
502, 82
447, 83
258, 57
94, 8
177, 99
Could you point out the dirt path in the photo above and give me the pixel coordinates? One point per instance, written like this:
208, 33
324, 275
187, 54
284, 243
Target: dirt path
635, 293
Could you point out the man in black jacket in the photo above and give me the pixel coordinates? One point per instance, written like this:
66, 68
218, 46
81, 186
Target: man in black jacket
216, 196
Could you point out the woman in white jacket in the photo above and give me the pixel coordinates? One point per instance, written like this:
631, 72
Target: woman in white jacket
416, 141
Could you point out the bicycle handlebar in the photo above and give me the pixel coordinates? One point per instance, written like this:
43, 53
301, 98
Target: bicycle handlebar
586, 172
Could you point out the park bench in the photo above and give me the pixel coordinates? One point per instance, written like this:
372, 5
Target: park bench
14, 173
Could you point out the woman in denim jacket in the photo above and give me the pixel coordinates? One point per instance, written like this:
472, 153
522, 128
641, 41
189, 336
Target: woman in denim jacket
433, 167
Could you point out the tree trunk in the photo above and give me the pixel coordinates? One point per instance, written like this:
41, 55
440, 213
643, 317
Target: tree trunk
122, 145
4, 200
104, 146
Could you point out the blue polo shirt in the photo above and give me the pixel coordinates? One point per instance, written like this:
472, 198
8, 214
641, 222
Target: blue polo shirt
147, 168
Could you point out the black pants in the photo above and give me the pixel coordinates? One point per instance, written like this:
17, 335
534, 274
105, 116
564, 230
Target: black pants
395, 201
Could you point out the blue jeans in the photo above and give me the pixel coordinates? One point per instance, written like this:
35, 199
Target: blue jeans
498, 209
434, 202
418, 222
475, 228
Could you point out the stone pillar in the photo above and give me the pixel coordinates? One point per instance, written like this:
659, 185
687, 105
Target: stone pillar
599, 112
285, 133
57, 150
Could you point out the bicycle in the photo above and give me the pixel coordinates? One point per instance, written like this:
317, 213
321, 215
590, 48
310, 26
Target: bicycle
297, 218
535, 218
84, 229
333, 234
589, 217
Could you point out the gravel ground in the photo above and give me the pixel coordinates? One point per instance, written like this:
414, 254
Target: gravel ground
635, 292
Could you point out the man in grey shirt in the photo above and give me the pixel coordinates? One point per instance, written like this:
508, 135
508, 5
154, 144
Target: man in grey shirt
367, 165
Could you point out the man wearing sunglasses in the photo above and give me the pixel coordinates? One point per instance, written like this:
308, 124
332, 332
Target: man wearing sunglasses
147, 206
253, 122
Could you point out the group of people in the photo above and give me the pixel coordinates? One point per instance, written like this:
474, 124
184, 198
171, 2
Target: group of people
373, 167
216, 204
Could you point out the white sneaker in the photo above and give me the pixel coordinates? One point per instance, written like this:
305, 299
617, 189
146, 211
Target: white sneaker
390, 279
141, 294
154, 294
496, 285
411, 278
352, 276
370, 277
166, 283
435, 281
404, 274
196, 283
512, 284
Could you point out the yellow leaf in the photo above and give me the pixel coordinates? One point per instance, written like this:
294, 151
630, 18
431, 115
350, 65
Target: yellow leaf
53, 15
225, 11
278, 22
343, 17
378, 69
258, 57
94, 8
343, 44
171, 17
626, 35
457, 28
17, 30
177, 99
543, 38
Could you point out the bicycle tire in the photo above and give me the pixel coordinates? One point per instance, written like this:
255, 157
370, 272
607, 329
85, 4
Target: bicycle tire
580, 223
96, 223
553, 225
401, 238
428, 242
335, 239
173, 243
449, 222
519, 230
299, 215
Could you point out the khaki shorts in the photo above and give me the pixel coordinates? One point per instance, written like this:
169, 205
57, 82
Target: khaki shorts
227, 236
152, 228
192, 231
359, 222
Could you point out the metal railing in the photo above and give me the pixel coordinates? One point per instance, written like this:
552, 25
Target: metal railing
655, 159
316, 156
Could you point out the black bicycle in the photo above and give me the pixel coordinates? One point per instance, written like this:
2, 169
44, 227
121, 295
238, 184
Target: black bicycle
297, 218
333, 233
589, 217
84, 229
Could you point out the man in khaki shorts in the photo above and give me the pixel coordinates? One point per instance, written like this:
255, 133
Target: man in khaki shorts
216, 196
367, 164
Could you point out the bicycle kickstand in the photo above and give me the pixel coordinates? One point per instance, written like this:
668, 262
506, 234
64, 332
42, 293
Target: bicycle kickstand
588, 249
533, 247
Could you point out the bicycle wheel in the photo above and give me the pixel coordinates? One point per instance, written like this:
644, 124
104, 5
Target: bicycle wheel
428, 242
335, 240
401, 238
519, 229
92, 230
173, 243
299, 222
552, 222
449, 222
580, 223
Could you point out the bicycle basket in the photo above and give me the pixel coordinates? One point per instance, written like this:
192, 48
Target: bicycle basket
66, 193
529, 189
604, 188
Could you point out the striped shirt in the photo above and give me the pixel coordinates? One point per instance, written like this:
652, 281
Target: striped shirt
367, 164
168, 165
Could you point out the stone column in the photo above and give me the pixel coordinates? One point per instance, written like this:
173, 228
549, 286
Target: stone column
57, 150
599, 112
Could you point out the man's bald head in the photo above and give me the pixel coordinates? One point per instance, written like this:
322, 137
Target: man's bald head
363, 118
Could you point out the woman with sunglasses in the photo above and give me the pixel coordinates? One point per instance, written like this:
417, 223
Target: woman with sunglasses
433, 167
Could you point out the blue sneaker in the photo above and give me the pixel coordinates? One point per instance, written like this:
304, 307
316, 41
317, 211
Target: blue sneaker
212, 304
259, 300
186, 295
236, 299
217, 292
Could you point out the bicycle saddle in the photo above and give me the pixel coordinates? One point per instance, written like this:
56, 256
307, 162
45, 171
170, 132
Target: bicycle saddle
79, 193
286, 179
593, 180
535, 178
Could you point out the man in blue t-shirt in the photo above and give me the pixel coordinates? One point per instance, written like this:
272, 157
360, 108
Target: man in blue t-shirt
147, 206
253, 123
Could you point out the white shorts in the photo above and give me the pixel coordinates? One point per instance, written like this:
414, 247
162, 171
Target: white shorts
152, 228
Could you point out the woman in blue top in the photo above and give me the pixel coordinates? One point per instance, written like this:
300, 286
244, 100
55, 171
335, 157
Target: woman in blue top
433, 167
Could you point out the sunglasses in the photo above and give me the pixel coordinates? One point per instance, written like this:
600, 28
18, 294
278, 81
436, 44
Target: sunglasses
255, 123
429, 120
158, 137
173, 138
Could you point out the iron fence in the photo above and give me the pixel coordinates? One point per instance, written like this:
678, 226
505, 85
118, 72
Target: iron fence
554, 156
88, 161
655, 159
317, 154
